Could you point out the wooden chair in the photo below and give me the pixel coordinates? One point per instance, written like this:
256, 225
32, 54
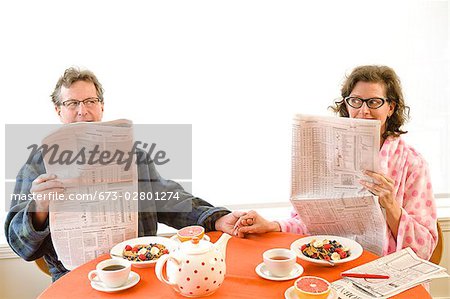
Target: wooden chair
437, 253
42, 265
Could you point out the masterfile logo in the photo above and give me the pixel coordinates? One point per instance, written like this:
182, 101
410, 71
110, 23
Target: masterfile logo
167, 147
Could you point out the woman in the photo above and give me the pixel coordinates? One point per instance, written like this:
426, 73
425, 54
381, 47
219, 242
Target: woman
403, 187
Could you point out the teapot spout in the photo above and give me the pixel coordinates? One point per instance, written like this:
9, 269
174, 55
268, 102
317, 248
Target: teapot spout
221, 244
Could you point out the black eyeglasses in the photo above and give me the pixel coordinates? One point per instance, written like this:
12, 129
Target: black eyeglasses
372, 103
88, 103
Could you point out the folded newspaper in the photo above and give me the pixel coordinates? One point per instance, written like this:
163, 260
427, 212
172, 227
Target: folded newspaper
92, 160
405, 271
329, 155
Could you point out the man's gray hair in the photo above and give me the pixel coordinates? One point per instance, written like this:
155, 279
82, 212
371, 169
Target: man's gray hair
72, 75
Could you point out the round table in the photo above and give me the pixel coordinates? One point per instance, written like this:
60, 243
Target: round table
241, 280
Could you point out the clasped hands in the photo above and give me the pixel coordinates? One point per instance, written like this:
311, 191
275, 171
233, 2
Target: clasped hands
251, 223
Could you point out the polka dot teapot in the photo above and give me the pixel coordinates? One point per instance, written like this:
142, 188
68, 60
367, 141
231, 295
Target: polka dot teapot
196, 268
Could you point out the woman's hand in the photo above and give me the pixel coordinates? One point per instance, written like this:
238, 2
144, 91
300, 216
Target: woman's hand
384, 188
227, 223
253, 223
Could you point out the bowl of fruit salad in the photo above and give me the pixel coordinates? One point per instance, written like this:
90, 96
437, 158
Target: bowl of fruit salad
143, 252
327, 250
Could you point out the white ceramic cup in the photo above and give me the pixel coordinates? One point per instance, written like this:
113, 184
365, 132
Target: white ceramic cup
113, 272
279, 261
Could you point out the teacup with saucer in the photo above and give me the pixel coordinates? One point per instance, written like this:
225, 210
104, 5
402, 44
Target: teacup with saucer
113, 275
279, 264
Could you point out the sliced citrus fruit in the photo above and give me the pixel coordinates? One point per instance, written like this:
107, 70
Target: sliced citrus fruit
311, 287
188, 232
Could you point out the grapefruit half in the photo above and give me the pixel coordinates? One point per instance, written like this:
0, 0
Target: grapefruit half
188, 232
311, 287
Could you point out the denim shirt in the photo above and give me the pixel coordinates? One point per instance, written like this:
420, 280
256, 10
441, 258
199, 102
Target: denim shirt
31, 244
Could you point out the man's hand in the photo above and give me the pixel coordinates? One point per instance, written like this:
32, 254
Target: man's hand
41, 188
253, 223
227, 223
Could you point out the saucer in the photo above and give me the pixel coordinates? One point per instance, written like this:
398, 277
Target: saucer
262, 271
133, 279
290, 294
175, 238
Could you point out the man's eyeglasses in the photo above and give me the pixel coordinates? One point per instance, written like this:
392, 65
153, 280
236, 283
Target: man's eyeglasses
88, 103
372, 103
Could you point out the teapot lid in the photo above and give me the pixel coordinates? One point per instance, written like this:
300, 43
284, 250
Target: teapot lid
195, 246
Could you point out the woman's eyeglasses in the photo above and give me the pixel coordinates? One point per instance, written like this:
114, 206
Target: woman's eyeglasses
372, 103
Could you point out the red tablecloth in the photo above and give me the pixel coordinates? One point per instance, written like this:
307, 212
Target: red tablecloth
241, 280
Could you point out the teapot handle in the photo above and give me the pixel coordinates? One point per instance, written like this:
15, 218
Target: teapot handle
160, 267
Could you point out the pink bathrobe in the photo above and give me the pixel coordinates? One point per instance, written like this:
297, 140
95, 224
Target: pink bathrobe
417, 228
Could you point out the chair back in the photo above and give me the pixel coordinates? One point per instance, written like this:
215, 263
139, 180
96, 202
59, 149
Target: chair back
437, 253
40, 262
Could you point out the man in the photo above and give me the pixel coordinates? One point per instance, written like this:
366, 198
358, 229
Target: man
78, 97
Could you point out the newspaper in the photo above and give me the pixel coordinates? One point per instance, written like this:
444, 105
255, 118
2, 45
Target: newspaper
404, 268
86, 222
329, 155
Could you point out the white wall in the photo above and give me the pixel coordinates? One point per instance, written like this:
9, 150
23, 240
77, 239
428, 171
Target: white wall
21, 280
236, 70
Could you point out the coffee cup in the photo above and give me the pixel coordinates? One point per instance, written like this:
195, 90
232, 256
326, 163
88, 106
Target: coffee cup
279, 261
113, 272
